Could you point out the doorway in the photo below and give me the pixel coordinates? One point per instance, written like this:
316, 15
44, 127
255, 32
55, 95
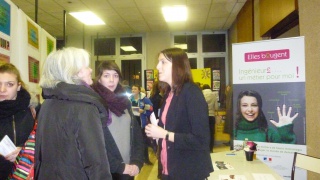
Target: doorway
131, 71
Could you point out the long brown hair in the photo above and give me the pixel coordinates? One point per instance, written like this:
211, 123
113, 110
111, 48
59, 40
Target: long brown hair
181, 70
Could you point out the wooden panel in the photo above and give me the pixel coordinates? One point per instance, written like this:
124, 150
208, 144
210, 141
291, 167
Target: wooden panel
274, 11
245, 23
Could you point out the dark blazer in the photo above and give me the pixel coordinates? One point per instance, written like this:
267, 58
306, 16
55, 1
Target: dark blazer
189, 154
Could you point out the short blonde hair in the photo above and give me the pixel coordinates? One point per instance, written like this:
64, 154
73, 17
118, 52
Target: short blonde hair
64, 66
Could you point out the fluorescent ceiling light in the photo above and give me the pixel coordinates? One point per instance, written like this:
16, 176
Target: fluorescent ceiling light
87, 18
175, 13
128, 48
181, 46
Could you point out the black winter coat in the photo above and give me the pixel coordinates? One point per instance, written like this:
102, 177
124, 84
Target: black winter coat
17, 125
69, 141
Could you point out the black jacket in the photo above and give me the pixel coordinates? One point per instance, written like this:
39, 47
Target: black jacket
69, 140
137, 146
189, 154
17, 125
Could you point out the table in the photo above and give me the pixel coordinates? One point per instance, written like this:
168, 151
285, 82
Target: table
241, 166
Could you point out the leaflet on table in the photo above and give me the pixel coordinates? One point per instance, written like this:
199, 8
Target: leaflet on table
135, 110
6, 146
221, 165
232, 177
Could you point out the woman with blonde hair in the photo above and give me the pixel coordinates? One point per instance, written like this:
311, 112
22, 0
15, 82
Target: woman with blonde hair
69, 141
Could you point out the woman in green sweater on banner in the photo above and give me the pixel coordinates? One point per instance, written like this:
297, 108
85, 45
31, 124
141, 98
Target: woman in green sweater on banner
251, 123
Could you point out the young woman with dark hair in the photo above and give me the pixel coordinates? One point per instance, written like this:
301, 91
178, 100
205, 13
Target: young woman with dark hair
125, 144
183, 130
251, 123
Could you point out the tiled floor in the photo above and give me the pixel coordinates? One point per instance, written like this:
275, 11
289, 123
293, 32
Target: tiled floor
150, 172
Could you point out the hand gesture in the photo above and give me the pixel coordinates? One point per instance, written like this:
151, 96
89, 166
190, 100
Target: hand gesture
134, 170
154, 131
13, 155
131, 170
284, 118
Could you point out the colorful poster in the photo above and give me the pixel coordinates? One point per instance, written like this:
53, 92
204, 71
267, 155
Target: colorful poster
50, 45
149, 74
33, 70
149, 85
4, 44
4, 58
269, 100
203, 76
33, 35
5, 17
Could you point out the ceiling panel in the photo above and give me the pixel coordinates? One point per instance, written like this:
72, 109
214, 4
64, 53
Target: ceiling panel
132, 16
122, 3
148, 3
214, 23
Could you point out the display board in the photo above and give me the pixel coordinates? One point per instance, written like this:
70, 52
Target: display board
274, 69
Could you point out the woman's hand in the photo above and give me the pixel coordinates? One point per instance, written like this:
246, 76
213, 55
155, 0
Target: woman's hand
127, 169
155, 131
13, 155
284, 118
131, 170
134, 170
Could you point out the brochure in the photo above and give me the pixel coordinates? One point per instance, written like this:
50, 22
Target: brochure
6, 146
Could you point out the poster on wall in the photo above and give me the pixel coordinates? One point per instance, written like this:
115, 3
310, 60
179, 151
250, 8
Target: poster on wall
202, 76
50, 45
33, 35
269, 100
33, 70
5, 17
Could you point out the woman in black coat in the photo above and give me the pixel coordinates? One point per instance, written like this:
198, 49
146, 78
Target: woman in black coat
69, 140
183, 129
16, 119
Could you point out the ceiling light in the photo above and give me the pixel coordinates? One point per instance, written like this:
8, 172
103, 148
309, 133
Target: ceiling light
175, 13
128, 48
181, 46
87, 17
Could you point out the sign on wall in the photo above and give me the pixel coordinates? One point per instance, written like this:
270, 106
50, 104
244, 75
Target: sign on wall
272, 74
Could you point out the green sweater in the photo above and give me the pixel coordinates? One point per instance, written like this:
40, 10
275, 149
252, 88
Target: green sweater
251, 131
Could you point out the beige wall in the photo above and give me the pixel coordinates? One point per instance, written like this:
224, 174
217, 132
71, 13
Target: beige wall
156, 42
256, 20
232, 38
310, 28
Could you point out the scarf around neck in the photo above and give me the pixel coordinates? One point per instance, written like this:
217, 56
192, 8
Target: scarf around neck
116, 103
11, 107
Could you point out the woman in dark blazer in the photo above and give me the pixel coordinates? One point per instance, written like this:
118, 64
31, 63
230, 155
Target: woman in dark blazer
183, 130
